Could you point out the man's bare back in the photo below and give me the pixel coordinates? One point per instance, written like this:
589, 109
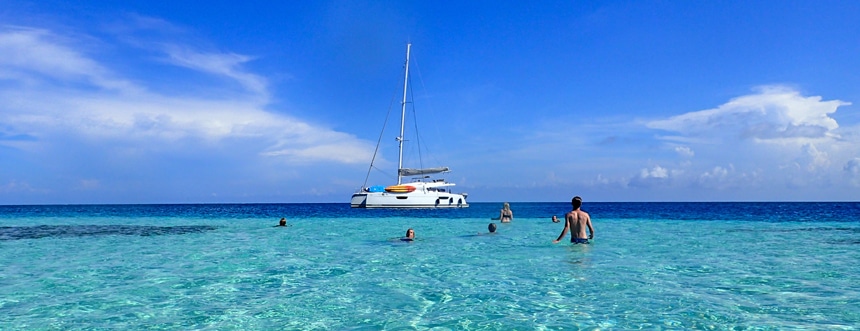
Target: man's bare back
576, 221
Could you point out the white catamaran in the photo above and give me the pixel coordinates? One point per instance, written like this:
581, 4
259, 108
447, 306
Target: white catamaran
422, 192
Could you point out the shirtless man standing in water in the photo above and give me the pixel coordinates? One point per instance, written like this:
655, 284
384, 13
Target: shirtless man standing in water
576, 221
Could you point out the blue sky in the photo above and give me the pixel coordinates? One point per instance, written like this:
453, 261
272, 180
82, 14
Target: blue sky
199, 102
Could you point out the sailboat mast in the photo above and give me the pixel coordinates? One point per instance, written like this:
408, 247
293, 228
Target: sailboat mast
403, 116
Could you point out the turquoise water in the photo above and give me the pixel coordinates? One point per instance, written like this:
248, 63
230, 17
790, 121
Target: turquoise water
225, 267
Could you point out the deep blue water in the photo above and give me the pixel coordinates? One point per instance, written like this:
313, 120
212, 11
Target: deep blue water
741, 211
739, 266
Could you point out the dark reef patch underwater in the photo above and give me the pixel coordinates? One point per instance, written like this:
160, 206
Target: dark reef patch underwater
71, 231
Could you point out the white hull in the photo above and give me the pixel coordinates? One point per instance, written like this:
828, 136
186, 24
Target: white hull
417, 199
422, 192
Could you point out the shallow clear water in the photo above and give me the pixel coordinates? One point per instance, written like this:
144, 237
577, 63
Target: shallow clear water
222, 267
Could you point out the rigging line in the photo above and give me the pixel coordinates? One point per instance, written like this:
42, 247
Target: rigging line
379, 140
417, 133
386, 173
414, 113
417, 72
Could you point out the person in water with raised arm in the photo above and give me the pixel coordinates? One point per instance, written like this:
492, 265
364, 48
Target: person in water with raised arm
506, 215
576, 221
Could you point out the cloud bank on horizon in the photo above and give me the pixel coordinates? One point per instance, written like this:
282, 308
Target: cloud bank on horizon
773, 136
139, 113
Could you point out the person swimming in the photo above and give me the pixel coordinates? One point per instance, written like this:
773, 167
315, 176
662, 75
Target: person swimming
410, 235
282, 222
491, 228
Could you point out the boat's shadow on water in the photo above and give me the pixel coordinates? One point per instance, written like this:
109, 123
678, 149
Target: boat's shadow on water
74, 231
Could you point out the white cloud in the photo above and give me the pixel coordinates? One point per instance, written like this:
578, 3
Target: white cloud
813, 158
717, 173
656, 172
775, 113
30, 55
684, 151
656, 176
853, 166
340, 152
118, 111
852, 171
604, 181
728, 177
718, 177
227, 65
774, 135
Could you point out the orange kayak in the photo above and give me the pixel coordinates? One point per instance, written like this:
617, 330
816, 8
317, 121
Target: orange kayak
400, 189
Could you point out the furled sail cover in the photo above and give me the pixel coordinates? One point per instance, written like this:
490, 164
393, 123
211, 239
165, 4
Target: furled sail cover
427, 171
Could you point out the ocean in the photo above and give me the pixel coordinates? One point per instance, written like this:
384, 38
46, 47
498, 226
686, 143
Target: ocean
655, 266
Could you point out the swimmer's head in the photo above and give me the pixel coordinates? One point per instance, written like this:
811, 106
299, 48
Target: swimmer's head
492, 227
283, 222
410, 233
576, 202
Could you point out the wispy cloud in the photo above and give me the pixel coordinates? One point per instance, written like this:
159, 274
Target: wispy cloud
684, 151
31, 55
226, 64
41, 103
176, 46
725, 177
